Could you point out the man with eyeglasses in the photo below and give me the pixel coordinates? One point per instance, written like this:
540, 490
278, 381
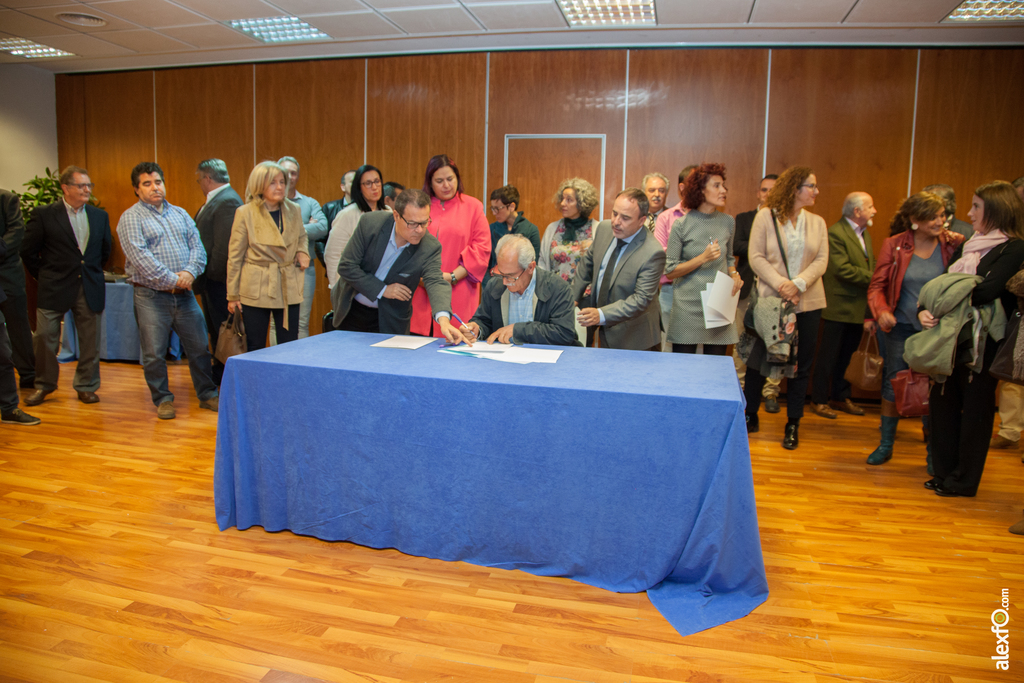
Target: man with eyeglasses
316, 225
386, 258
66, 244
521, 304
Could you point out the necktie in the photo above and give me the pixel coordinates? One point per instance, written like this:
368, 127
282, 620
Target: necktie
606, 281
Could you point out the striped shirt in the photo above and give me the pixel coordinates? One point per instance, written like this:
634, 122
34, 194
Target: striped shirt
159, 242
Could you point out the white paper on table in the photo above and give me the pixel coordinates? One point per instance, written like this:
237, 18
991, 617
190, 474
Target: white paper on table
712, 318
519, 354
484, 347
402, 341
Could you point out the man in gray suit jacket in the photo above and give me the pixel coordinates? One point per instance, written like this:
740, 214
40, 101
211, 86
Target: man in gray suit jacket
623, 268
522, 304
383, 264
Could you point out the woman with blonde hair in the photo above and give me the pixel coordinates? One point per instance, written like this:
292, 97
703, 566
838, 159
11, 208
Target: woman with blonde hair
962, 409
567, 240
919, 249
267, 255
789, 253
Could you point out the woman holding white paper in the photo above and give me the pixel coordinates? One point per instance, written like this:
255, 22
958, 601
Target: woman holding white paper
699, 248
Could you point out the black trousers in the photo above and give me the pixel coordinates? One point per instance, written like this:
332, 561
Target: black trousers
15, 310
962, 410
361, 318
257, 323
709, 349
215, 310
8, 385
838, 342
796, 392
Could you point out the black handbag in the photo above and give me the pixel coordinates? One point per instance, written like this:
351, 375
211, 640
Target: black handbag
1002, 364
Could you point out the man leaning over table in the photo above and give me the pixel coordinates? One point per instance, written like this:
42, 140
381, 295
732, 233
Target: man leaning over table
623, 268
163, 256
387, 257
522, 304
66, 244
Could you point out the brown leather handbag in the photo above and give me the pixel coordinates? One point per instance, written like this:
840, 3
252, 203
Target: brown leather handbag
911, 389
865, 369
231, 340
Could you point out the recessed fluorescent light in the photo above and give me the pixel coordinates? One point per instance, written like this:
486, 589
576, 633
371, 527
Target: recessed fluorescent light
29, 50
988, 10
278, 29
600, 13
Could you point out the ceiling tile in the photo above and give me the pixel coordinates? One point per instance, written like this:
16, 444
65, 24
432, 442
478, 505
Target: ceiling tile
210, 36
392, 4
144, 41
687, 12
355, 25
31, 3
25, 26
223, 10
303, 7
87, 46
901, 11
433, 20
150, 13
50, 14
518, 16
800, 11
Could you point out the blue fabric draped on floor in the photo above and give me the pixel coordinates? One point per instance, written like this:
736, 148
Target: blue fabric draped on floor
625, 470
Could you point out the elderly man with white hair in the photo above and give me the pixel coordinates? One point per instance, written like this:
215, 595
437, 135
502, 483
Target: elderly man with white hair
524, 305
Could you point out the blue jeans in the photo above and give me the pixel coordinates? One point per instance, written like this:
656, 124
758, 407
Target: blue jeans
306, 307
157, 313
892, 351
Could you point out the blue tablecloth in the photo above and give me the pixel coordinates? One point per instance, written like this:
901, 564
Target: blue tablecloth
626, 470
119, 334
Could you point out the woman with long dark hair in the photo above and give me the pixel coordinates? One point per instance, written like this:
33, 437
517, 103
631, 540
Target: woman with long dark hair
457, 220
789, 253
367, 195
962, 409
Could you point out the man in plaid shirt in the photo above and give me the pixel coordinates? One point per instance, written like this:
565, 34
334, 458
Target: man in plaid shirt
163, 255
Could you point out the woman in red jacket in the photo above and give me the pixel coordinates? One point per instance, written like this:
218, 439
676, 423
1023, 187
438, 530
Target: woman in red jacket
918, 250
458, 222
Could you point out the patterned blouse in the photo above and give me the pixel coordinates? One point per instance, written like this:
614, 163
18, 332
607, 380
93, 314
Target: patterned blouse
560, 256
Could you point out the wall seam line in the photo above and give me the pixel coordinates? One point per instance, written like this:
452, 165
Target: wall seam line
625, 125
913, 125
767, 112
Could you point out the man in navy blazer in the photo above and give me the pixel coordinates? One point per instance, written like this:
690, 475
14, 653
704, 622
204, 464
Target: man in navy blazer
66, 244
214, 220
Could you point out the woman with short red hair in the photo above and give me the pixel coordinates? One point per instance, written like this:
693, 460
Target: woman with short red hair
700, 247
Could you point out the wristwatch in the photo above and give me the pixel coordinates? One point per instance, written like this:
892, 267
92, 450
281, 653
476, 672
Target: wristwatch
454, 278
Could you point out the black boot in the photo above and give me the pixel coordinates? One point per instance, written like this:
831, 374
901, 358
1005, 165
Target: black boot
792, 438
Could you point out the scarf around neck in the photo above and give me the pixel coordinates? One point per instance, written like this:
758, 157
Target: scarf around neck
975, 250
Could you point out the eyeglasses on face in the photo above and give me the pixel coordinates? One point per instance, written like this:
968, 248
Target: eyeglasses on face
371, 183
82, 186
508, 279
414, 225
811, 186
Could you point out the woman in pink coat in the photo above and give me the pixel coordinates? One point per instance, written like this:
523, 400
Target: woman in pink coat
458, 222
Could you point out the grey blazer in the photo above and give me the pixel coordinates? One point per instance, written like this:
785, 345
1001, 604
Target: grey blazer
632, 315
362, 257
214, 221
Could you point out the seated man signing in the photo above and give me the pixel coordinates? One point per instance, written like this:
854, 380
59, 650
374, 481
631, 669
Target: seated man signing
387, 257
521, 304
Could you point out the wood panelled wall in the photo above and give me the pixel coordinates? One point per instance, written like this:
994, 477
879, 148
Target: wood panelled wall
848, 113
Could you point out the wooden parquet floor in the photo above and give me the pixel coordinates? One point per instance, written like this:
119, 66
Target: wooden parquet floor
112, 569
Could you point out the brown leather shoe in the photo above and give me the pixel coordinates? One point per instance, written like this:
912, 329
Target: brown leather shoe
88, 397
37, 397
823, 410
847, 406
998, 441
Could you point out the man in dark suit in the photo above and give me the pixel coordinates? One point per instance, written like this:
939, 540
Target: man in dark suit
851, 262
214, 220
65, 246
521, 304
623, 267
10, 413
383, 263
331, 210
740, 245
12, 279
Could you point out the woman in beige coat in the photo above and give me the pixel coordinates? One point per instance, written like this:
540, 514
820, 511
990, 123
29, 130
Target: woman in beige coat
789, 264
267, 255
